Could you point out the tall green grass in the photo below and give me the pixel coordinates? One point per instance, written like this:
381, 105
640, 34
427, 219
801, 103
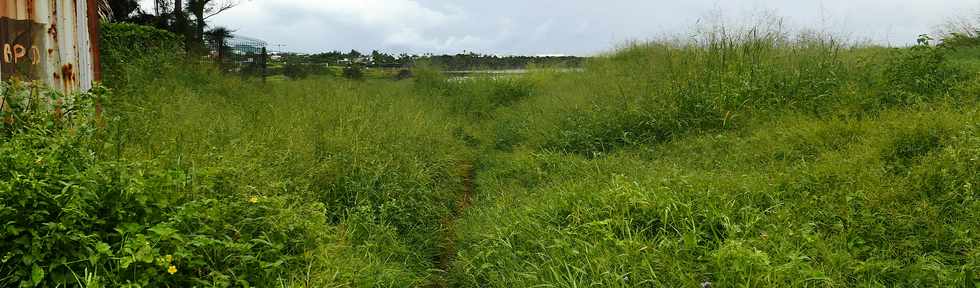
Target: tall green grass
649, 93
748, 158
740, 160
381, 160
800, 202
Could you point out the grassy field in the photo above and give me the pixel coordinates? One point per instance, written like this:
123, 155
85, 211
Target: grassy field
735, 160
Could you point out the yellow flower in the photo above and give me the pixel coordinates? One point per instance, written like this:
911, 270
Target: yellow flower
170, 258
253, 200
172, 269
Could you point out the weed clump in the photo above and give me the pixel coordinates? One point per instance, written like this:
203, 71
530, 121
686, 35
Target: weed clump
73, 217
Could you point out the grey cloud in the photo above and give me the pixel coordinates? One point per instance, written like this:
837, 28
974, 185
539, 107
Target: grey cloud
553, 27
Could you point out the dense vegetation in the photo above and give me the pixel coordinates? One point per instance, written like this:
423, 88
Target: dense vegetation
457, 62
742, 159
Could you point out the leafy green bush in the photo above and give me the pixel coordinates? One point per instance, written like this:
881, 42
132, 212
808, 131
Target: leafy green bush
294, 69
403, 74
353, 72
28, 105
960, 40
74, 218
918, 74
130, 50
48, 189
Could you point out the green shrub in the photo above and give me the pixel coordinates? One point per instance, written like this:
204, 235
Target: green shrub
27, 106
907, 148
918, 74
353, 72
403, 74
295, 69
960, 40
54, 199
72, 217
129, 50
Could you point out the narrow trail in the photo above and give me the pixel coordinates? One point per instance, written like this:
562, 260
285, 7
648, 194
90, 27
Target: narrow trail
463, 201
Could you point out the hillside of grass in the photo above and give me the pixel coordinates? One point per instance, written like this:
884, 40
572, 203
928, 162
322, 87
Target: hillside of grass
733, 162
737, 159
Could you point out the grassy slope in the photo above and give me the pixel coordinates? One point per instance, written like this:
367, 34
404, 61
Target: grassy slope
751, 162
758, 163
737, 160
380, 160
810, 164
795, 202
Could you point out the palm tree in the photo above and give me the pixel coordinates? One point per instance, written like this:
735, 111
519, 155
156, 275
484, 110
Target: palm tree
218, 40
103, 8
116, 9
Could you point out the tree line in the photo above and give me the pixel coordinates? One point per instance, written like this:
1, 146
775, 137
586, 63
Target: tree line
456, 62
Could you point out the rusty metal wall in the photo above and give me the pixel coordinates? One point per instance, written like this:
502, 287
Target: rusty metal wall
52, 41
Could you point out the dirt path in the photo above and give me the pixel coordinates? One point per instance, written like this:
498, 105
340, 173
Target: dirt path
463, 201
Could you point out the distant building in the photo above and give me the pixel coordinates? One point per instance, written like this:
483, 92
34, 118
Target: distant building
358, 60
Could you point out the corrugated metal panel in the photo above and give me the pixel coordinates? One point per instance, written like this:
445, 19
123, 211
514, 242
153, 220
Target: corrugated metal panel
53, 41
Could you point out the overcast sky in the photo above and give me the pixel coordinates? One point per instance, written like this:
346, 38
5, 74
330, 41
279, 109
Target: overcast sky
577, 27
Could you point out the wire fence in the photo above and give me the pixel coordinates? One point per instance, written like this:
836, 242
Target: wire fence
236, 54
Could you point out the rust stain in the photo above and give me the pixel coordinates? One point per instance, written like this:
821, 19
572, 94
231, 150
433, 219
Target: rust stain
8, 10
68, 75
30, 10
94, 42
31, 27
